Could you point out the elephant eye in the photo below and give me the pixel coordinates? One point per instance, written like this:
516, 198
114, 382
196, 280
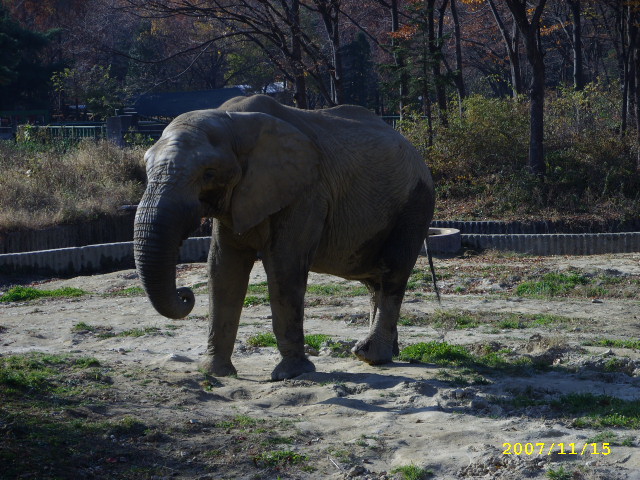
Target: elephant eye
209, 175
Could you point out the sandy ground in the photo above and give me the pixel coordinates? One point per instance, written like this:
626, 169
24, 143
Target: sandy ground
350, 419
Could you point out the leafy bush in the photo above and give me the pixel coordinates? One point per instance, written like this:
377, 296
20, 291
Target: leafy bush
479, 162
489, 138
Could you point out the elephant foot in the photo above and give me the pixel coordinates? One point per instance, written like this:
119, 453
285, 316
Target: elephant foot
291, 367
217, 367
375, 352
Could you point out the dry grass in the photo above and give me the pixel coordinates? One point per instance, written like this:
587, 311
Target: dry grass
42, 186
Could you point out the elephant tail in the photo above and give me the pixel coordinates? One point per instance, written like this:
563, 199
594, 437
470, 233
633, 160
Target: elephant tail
433, 271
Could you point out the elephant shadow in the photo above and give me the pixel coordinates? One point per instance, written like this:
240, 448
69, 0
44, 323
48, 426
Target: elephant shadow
376, 392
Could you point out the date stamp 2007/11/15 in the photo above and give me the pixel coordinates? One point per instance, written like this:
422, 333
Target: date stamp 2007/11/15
542, 448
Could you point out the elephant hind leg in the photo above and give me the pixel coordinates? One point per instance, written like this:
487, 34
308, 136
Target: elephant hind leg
381, 344
387, 292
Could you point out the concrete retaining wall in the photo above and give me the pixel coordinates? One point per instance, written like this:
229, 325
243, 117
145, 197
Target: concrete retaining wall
91, 258
118, 228
114, 256
557, 244
491, 227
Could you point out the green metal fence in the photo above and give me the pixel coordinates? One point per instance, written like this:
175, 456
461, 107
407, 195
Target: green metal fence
75, 131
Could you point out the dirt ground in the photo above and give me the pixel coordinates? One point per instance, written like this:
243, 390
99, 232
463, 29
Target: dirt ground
146, 411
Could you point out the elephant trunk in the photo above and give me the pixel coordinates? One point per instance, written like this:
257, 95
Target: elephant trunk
158, 233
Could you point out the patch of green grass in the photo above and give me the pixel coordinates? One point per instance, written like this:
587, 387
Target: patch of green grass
596, 291
29, 372
241, 422
440, 353
127, 426
613, 365
87, 362
279, 459
22, 294
263, 340
340, 348
327, 289
200, 287
589, 410
544, 320
252, 300
316, 340
454, 319
134, 291
559, 474
461, 319
258, 288
499, 361
615, 343
511, 323
277, 440
83, 327
445, 354
337, 289
551, 285
412, 472
341, 454
132, 332
462, 378
600, 411
612, 438
357, 291
413, 320
41, 373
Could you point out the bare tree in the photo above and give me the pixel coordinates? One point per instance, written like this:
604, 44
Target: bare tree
512, 43
458, 78
530, 30
276, 27
576, 40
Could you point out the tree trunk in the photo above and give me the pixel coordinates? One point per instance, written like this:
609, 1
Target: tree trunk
436, 59
398, 55
632, 32
458, 78
514, 59
536, 141
330, 12
531, 33
512, 42
297, 67
623, 61
634, 47
578, 70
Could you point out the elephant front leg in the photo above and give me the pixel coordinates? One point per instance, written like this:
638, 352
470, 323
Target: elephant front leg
229, 270
287, 285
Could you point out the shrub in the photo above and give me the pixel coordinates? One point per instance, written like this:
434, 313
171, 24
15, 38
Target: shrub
479, 162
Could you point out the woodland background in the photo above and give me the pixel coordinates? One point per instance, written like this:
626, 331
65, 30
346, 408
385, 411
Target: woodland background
521, 108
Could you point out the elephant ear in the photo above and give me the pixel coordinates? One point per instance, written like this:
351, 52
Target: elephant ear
279, 164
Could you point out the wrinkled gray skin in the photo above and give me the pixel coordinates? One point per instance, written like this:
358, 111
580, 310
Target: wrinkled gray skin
332, 191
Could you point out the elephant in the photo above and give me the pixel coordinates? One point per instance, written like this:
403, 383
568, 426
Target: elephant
334, 191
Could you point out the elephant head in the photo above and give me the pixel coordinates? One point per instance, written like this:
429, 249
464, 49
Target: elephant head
238, 167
